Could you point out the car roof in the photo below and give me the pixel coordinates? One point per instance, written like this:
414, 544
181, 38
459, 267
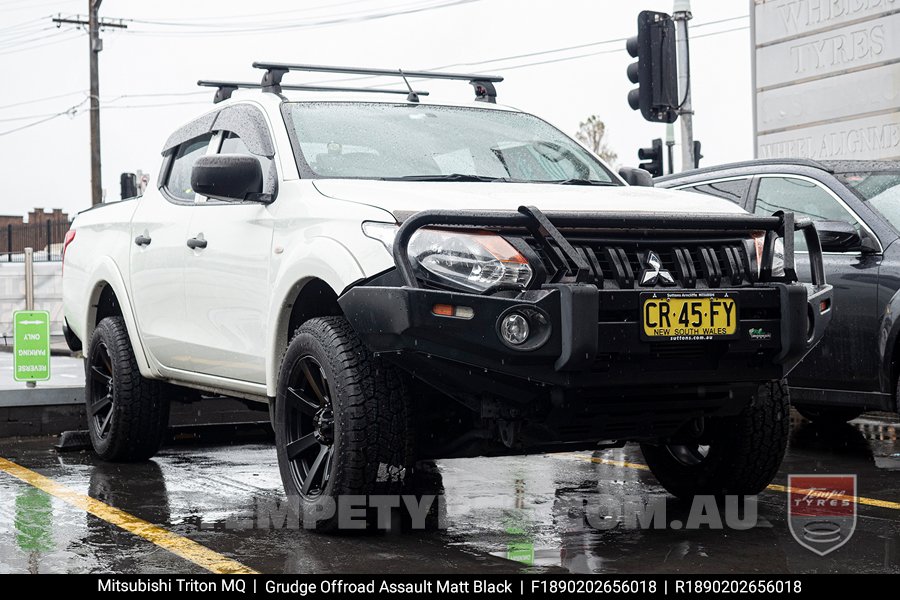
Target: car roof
763, 165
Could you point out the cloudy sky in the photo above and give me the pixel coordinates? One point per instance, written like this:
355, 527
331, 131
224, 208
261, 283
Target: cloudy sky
148, 72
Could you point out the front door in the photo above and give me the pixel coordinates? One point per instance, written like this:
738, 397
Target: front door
847, 357
227, 281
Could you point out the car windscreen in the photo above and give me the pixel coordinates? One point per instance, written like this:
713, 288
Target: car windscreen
357, 140
880, 189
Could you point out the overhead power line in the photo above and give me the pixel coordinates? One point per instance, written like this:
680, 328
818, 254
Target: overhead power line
207, 21
268, 28
537, 53
55, 40
69, 111
29, 24
44, 99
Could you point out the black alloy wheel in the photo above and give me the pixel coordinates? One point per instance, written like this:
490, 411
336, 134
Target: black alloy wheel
102, 393
310, 432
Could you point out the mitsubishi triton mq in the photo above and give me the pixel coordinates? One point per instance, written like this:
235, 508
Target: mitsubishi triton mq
401, 279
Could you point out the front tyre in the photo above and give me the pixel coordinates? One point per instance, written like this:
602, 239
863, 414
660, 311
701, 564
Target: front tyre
127, 414
341, 420
734, 455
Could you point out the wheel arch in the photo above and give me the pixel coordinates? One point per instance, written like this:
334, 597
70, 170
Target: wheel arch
305, 299
109, 296
326, 264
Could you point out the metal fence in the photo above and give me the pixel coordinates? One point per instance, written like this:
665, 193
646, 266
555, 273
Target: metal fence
45, 237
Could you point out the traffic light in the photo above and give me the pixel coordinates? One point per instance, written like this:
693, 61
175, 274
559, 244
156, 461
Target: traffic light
697, 155
654, 157
656, 71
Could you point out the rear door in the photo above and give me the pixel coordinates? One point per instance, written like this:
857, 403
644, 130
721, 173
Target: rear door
159, 228
227, 281
847, 357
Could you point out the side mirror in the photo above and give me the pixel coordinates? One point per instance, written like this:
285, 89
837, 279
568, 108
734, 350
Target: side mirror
637, 177
229, 177
840, 236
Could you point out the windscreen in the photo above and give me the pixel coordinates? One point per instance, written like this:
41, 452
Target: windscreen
420, 142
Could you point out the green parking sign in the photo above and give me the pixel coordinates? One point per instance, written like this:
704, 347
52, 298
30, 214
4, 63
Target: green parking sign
31, 335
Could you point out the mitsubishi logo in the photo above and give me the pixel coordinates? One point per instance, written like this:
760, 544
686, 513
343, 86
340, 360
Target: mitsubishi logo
654, 273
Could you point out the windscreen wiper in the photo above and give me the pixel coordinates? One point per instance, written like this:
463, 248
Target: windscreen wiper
448, 177
580, 182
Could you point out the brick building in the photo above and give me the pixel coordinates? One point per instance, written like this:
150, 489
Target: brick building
17, 232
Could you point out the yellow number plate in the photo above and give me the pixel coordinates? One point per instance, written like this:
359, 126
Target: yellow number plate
689, 316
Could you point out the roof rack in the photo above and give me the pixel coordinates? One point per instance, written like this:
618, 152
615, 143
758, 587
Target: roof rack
483, 84
226, 88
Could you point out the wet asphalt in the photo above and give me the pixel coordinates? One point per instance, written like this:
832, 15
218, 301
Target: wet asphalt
503, 515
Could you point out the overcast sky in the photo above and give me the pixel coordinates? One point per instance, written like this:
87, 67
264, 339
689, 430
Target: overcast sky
148, 72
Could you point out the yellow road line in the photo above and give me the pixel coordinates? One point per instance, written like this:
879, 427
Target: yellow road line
859, 499
181, 546
604, 461
773, 487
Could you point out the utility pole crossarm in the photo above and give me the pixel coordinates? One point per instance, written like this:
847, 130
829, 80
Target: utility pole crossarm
82, 21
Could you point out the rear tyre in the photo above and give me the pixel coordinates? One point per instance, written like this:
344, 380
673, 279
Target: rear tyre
341, 421
829, 414
127, 414
734, 455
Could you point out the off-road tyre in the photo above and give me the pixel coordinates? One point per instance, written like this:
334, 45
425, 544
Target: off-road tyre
744, 451
361, 421
127, 414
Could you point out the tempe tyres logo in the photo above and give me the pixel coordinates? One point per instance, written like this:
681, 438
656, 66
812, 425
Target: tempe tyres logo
822, 510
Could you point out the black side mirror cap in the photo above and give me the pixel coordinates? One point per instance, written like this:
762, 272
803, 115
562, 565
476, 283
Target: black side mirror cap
840, 236
229, 177
638, 177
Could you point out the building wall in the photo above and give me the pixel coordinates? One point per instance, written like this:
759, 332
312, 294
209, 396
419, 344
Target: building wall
827, 78
16, 233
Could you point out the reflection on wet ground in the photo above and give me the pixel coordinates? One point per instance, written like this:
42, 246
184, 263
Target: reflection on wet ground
503, 514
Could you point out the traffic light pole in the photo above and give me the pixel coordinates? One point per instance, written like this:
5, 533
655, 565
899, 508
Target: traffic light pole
681, 15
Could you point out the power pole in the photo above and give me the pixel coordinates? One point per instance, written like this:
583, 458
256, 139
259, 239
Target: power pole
681, 14
94, 23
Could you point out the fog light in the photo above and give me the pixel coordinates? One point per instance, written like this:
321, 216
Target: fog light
514, 328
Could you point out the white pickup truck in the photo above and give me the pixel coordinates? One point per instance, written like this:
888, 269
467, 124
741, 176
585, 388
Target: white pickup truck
400, 280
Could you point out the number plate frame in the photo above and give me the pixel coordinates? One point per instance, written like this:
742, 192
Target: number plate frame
688, 295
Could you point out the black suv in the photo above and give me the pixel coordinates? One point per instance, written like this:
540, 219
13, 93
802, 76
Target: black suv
856, 208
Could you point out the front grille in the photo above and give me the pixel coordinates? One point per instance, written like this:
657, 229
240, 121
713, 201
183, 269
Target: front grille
692, 264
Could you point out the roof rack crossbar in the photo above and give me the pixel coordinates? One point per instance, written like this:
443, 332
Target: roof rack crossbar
485, 91
226, 88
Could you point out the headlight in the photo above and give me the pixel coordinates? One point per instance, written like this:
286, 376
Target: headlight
756, 244
470, 261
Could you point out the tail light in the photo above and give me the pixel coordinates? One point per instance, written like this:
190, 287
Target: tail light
70, 237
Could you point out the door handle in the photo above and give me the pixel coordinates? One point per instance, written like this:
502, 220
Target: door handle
195, 243
142, 240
